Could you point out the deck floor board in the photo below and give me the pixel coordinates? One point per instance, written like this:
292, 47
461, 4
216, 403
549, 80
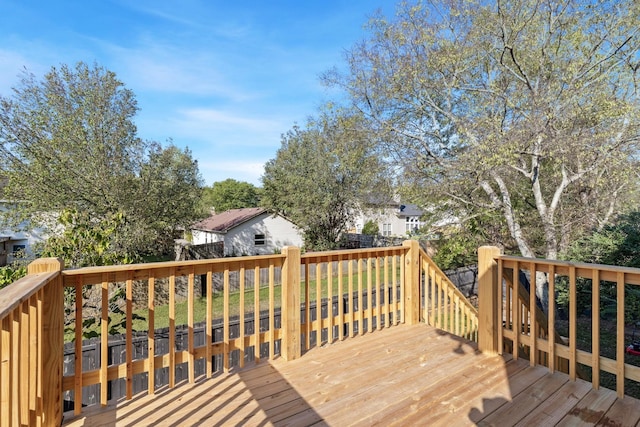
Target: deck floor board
402, 375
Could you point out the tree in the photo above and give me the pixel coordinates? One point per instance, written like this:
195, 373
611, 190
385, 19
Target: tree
10, 274
230, 194
370, 228
615, 244
169, 189
70, 139
85, 241
521, 107
322, 174
69, 142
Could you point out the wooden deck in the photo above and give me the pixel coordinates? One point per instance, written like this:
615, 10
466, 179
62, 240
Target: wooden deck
406, 375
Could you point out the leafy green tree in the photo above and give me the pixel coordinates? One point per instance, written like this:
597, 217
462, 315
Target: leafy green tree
321, 174
169, 189
370, 228
11, 273
70, 139
458, 246
525, 108
230, 194
69, 142
528, 108
614, 244
86, 241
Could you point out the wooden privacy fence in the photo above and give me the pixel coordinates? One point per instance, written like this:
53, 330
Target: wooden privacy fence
513, 320
320, 298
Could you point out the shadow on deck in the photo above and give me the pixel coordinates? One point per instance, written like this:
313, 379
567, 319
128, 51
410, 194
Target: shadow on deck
405, 375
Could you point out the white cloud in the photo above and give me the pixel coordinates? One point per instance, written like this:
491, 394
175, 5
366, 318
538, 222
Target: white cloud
166, 68
212, 120
240, 170
213, 129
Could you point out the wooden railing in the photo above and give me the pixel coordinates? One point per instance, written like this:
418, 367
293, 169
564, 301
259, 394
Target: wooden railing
444, 306
318, 298
157, 277
366, 288
513, 320
31, 347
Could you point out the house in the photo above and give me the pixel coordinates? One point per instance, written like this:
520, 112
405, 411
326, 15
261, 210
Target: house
15, 242
18, 242
247, 231
393, 219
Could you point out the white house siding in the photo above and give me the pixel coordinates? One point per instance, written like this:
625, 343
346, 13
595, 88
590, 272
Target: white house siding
20, 242
390, 220
200, 237
240, 240
278, 233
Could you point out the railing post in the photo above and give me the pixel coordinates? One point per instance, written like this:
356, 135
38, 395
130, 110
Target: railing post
489, 315
412, 282
52, 340
291, 328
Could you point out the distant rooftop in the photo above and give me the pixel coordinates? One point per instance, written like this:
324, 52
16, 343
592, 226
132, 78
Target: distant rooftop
225, 221
409, 210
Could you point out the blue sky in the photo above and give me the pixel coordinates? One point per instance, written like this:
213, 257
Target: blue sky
225, 78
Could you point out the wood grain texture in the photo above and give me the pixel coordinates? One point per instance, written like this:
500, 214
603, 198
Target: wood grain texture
407, 375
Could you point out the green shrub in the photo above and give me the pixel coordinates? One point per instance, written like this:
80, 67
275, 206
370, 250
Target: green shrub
370, 228
9, 274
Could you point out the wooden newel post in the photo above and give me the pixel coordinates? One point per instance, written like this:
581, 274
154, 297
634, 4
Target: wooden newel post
52, 340
489, 308
412, 282
291, 328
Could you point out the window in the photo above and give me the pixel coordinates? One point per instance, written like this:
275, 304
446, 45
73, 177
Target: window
411, 224
386, 229
18, 248
260, 240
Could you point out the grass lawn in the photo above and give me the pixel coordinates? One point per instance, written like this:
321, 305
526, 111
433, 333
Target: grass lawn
161, 319
608, 347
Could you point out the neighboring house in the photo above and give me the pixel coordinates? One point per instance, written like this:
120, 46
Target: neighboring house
17, 243
247, 231
393, 219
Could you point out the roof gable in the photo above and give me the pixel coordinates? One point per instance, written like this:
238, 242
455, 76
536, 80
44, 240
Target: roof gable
225, 221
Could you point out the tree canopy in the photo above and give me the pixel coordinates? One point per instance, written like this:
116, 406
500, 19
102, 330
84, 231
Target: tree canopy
69, 142
520, 111
230, 194
615, 244
322, 174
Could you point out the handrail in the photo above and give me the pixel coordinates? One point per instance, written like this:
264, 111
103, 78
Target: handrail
361, 290
31, 347
525, 332
445, 306
100, 281
582, 269
13, 296
301, 301
120, 273
311, 305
